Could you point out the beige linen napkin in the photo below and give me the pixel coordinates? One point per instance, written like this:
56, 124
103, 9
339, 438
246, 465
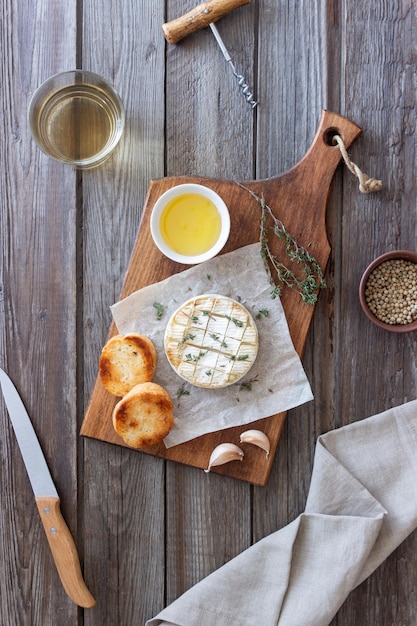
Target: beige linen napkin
279, 381
361, 505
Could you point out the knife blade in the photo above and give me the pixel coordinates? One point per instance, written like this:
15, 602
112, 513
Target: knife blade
59, 537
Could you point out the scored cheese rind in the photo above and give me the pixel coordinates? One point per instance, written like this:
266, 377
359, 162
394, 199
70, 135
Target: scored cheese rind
211, 341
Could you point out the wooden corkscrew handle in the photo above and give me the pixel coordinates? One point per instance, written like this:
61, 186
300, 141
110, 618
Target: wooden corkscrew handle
199, 17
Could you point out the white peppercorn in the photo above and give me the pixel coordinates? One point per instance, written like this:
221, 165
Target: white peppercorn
391, 291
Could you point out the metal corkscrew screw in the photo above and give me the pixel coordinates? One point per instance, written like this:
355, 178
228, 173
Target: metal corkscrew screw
244, 86
246, 90
205, 15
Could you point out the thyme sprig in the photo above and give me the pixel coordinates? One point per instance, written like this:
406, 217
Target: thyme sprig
186, 337
194, 358
182, 391
241, 357
216, 337
314, 278
235, 321
247, 385
262, 312
160, 310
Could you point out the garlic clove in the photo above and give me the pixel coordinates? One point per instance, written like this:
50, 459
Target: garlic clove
258, 438
224, 453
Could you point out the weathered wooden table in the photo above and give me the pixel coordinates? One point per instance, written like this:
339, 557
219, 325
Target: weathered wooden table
147, 528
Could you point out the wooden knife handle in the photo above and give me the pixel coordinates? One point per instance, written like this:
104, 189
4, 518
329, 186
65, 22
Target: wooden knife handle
200, 17
64, 551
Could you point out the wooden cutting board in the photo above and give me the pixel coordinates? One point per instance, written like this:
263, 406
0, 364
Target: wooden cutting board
298, 198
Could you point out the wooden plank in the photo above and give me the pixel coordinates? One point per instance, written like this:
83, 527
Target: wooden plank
377, 369
37, 320
292, 83
209, 516
209, 126
123, 497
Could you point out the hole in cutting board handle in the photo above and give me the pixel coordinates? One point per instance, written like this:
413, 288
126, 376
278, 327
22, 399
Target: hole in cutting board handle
329, 136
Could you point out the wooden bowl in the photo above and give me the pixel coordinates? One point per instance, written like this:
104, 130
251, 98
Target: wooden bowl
406, 255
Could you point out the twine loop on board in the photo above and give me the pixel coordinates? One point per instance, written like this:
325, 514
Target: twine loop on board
366, 183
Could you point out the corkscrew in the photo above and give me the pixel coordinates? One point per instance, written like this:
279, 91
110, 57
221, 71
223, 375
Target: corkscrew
205, 15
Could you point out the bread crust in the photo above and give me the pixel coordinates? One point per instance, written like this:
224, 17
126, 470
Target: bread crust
126, 361
144, 416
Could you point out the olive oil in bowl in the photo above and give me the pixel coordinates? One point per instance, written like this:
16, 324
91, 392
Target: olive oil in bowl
190, 223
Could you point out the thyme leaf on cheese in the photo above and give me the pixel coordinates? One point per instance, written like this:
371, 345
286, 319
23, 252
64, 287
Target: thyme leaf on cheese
195, 357
241, 357
236, 322
217, 338
187, 337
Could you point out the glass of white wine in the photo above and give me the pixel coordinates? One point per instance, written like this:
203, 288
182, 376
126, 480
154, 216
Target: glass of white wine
76, 117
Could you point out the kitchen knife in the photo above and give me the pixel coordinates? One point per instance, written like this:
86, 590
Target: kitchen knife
47, 500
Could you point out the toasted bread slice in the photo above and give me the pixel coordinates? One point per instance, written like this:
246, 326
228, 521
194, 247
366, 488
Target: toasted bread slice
144, 416
126, 361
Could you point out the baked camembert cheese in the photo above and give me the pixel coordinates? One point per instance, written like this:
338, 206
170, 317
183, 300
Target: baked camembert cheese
211, 341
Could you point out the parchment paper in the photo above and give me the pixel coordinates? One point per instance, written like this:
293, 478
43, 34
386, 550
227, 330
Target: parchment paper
275, 383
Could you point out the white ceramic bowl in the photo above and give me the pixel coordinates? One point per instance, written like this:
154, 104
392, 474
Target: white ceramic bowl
171, 194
